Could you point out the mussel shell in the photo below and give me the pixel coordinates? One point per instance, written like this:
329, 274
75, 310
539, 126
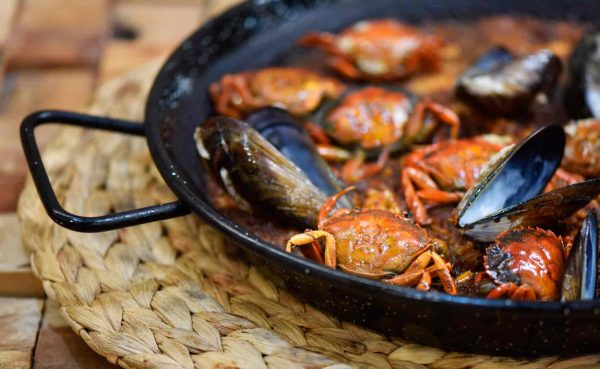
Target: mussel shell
288, 135
321, 114
544, 210
581, 271
582, 89
513, 176
254, 172
504, 85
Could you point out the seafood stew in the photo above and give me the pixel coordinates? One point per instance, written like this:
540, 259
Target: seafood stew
456, 137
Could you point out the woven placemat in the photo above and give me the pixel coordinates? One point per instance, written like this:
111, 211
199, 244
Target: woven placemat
165, 294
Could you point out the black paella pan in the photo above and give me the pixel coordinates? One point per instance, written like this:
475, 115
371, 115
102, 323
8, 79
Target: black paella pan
254, 35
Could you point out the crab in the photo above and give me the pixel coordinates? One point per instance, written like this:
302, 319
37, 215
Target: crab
372, 119
582, 151
443, 171
376, 244
300, 91
383, 49
526, 264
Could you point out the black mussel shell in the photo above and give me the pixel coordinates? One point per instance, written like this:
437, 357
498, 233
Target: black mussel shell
501, 84
544, 210
582, 90
321, 114
514, 175
255, 173
581, 271
288, 135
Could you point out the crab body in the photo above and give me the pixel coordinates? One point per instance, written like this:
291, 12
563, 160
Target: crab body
375, 244
372, 241
443, 171
382, 49
373, 119
526, 264
297, 90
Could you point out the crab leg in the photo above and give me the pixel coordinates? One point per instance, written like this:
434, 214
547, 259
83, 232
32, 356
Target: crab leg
307, 238
420, 263
444, 273
425, 282
333, 154
369, 275
442, 113
440, 197
329, 204
406, 279
412, 200
513, 291
355, 169
317, 134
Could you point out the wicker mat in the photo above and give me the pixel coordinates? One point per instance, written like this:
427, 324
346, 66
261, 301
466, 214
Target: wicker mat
165, 295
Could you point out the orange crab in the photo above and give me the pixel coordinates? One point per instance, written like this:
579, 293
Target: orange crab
526, 264
582, 151
300, 91
443, 171
382, 49
373, 118
376, 244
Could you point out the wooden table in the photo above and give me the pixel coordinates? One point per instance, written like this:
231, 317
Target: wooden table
53, 54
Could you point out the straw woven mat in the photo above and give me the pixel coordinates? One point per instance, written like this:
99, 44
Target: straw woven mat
164, 295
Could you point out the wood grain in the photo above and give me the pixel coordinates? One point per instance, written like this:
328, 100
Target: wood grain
59, 347
153, 30
58, 33
19, 321
26, 91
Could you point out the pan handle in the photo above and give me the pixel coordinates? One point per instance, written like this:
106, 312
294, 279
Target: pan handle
47, 195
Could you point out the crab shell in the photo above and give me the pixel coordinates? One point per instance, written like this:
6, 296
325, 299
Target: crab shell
375, 242
528, 256
456, 164
298, 90
382, 49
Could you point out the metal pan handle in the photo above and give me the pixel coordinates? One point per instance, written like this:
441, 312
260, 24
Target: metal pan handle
47, 195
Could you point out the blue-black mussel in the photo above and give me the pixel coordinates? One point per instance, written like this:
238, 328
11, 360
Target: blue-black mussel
582, 90
503, 84
508, 192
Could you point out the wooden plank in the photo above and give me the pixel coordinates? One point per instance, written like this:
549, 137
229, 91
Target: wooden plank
19, 322
59, 347
158, 23
153, 30
58, 33
216, 7
8, 9
24, 92
16, 278
13, 255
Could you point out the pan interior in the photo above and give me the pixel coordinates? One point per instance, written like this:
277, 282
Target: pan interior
263, 33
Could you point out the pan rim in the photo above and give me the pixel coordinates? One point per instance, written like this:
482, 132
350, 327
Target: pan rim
230, 229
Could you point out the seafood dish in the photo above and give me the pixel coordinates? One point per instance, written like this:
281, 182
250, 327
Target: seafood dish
398, 153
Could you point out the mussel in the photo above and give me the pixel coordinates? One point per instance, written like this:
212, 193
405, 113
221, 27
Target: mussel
503, 84
582, 90
255, 173
288, 135
579, 281
507, 193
